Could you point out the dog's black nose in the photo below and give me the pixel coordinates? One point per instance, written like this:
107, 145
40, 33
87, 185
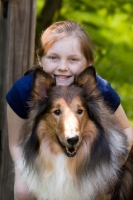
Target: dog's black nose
73, 140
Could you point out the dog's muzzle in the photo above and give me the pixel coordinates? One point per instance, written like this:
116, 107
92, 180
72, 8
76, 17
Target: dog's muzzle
72, 150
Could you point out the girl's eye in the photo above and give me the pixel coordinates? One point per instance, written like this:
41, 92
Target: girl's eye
73, 59
79, 111
53, 57
57, 112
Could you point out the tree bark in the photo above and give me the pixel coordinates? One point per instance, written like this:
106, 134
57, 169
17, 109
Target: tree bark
49, 10
17, 34
49, 13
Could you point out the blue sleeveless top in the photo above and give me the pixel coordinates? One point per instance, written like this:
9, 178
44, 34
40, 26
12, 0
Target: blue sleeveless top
20, 93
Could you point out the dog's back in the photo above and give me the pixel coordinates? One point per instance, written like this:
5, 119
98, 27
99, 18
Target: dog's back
72, 145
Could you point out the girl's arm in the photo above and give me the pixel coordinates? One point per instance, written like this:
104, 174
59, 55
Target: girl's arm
15, 124
122, 119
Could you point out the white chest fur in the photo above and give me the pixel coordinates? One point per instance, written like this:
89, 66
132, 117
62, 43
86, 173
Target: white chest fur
59, 185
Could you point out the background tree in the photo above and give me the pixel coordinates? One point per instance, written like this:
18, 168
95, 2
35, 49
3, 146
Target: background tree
17, 31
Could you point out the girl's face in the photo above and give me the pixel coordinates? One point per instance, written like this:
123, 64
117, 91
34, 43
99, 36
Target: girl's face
64, 60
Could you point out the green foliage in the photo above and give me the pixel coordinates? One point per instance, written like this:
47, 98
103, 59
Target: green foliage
110, 25
40, 4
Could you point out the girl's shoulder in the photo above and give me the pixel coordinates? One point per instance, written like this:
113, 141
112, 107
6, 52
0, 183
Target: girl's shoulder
19, 95
102, 83
110, 96
25, 82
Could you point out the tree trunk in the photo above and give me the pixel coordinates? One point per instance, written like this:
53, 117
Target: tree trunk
17, 33
49, 13
49, 10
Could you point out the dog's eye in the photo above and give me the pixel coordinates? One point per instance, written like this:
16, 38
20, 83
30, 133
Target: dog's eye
57, 112
79, 111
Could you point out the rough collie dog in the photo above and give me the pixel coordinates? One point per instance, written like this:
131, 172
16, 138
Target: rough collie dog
72, 145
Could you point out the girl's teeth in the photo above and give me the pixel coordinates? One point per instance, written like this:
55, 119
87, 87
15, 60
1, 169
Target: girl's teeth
62, 77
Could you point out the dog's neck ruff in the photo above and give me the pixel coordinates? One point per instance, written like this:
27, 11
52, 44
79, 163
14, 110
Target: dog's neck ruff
60, 185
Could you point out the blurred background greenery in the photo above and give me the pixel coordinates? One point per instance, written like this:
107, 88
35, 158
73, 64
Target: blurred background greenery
110, 26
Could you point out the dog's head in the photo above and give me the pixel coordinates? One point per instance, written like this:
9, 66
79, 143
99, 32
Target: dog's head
60, 113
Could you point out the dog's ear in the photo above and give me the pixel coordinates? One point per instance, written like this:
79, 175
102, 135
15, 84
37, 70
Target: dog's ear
87, 79
41, 84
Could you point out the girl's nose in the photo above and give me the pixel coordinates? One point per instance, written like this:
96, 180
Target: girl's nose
62, 65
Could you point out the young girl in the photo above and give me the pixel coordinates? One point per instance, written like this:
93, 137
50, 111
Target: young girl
65, 50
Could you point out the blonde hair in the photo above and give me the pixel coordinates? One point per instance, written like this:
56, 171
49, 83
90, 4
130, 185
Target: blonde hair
62, 29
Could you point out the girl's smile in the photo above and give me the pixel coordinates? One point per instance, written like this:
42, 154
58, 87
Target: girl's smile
63, 79
64, 60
